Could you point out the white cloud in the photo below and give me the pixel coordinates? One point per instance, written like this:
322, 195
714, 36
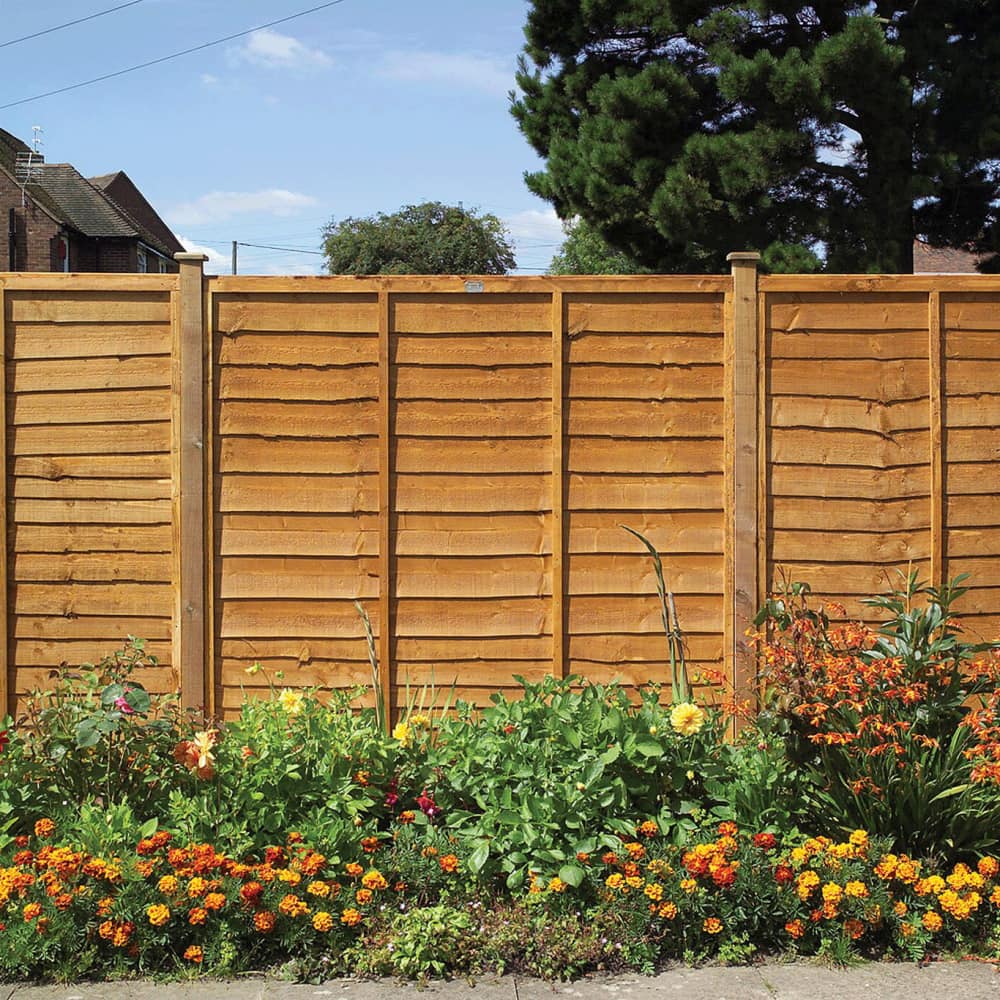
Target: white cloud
208, 79
218, 206
217, 263
273, 50
534, 226
455, 69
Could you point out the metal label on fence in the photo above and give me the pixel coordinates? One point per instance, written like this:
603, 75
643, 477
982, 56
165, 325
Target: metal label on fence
473, 286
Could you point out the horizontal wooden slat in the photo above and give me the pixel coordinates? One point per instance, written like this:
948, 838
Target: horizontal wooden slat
846, 481
973, 411
497, 383
886, 381
848, 345
54, 652
156, 680
963, 378
97, 439
306, 577
642, 419
317, 494
684, 455
107, 511
469, 455
97, 373
850, 414
970, 477
91, 489
970, 344
971, 312
597, 615
981, 511
627, 348
644, 493
73, 306
90, 341
293, 455
474, 419
108, 466
343, 534
815, 543
308, 420
646, 312
972, 541
107, 630
105, 566
301, 312
471, 350
972, 444
869, 311
326, 385
832, 513
291, 349
90, 538
863, 448
671, 382
485, 312
489, 492
634, 574
125, 598
112, 406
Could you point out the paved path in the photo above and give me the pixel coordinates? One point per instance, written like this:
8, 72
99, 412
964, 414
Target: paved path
797, 981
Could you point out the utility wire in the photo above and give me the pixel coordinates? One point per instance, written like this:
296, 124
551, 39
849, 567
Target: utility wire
69, 24
266, 246
173, 55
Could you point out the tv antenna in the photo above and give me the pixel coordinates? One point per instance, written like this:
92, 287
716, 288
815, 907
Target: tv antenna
28, 164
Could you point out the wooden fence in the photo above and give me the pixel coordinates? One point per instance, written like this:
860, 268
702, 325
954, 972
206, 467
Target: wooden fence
224, 465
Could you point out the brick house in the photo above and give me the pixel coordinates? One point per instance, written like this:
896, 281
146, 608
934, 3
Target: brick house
57, 220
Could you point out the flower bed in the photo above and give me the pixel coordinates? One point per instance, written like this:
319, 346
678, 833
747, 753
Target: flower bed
566, 830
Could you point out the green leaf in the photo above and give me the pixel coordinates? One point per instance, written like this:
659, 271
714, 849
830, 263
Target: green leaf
572, 875
479, 856
649, 748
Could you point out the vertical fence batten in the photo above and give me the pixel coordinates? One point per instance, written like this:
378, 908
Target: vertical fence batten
5, 636
385, 534
558, 490
742, 466
188, 487
937, 439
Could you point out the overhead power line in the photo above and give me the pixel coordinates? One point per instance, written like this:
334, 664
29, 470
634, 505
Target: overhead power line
173, 55
266, 246
69, 24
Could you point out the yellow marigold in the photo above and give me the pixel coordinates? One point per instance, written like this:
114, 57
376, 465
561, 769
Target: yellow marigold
689, 885
900, 908
197, 887
687, 719
318, 888
264, 921
292, 906
215, 901
401, 733
291, 702
407, 816
908, 871
932, 921
667, 910
289, 877
932, 884
832, 893
557, 885
158, 914
350, 917
800, 855
633, 881
122, 934
31, 911
419, 721
636, 851
712, 925
353, 869
44, 828
859, 838
374, 879
615, 881
648, 828
988, 867
654, 891
322, 921
363, 897
105, 929
104, 906
995, 896
193, 953
856, 890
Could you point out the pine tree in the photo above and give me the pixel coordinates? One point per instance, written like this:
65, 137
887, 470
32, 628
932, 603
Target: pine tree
683, 129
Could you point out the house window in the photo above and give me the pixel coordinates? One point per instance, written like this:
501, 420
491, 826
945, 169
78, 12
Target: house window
62, 253
141, 263
163, 266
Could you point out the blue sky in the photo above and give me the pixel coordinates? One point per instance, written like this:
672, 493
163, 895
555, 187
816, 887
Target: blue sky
359, 108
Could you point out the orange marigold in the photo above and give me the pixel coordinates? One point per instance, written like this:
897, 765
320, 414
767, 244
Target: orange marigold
158, 914
796, 928
932, 921
193, 953
31, 911
197, 916
264, 921
374, 879
322, 922
44, 829
448, 863
215, 901
712, 925
350, 917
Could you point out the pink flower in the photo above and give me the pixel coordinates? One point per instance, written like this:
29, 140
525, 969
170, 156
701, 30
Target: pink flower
427, 805
123, 706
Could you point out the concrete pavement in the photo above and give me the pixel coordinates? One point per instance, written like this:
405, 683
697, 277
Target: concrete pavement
793, 981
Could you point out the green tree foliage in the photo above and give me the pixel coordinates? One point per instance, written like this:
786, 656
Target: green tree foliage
586, 251
430, 238
683, 129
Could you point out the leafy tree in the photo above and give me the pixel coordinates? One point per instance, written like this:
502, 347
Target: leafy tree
682, 129
430, 238
585, 251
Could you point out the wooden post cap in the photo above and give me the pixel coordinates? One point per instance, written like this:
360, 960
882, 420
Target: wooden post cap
190, 258
743, 257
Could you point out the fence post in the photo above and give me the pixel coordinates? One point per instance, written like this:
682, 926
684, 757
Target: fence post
742, 414
386, 563
188, 480
558, 485
6, 681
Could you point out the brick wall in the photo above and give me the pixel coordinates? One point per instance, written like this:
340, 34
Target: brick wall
36, 232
